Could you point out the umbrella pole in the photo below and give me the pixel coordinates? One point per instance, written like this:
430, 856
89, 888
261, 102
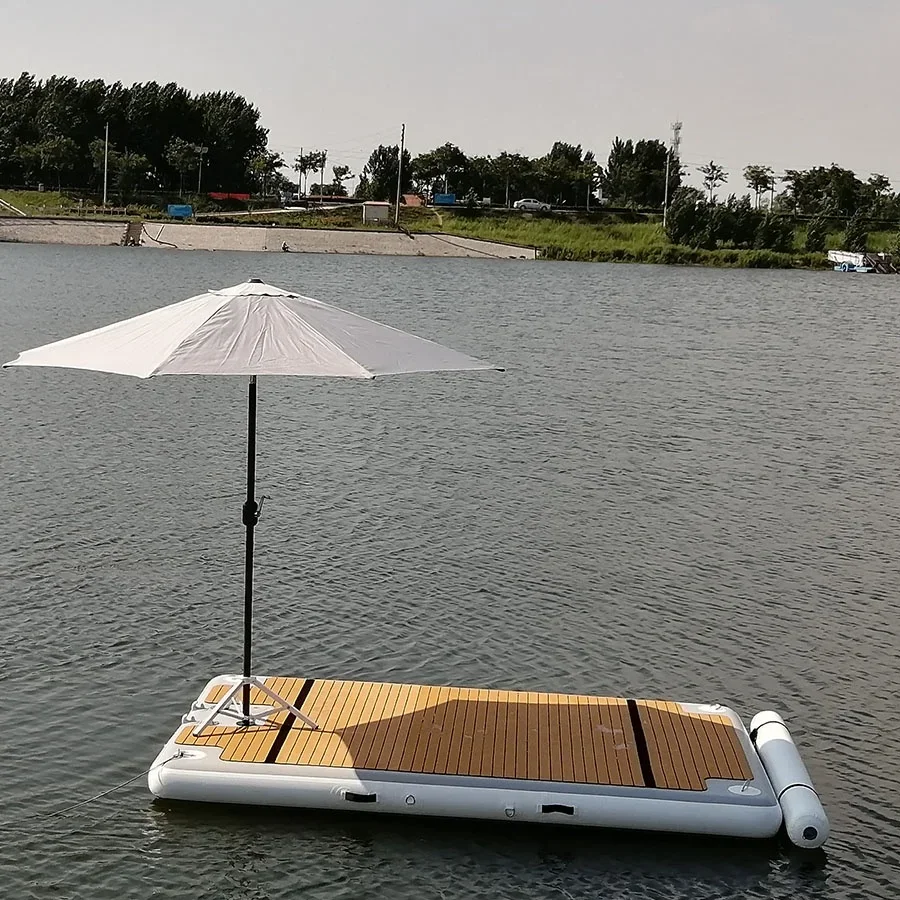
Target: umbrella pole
228, 705
250, 516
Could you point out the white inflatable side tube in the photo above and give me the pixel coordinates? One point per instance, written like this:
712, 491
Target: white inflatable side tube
804, 817
372, 796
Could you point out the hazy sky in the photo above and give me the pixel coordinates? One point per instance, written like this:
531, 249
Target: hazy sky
791, 83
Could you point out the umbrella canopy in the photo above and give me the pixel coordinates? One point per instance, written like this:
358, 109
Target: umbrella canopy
250, 329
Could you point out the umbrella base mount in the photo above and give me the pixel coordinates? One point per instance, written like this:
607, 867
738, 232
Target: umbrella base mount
228, 706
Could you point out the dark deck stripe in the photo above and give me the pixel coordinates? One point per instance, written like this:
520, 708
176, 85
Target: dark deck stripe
640, 743
288, 722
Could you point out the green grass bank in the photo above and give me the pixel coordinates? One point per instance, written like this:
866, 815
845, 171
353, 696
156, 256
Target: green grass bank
600, 237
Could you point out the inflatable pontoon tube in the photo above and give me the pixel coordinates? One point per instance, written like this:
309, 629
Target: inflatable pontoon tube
804, 818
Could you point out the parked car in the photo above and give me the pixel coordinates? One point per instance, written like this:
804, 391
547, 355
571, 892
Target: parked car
532, 205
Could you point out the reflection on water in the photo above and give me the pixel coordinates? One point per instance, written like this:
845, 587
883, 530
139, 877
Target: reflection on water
505, 861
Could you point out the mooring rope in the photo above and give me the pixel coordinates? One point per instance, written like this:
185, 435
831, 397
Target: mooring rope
145, 230
100, 796
464, 247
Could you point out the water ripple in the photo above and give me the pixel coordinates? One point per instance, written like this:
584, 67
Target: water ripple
685, 485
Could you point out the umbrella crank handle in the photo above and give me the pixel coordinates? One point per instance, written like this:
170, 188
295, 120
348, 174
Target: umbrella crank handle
252, 510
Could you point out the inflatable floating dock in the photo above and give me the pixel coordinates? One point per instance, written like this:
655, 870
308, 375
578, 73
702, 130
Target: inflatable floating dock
491, 754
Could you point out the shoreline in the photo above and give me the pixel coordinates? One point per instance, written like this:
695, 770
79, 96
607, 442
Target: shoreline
472, 239
597, 236
253, 238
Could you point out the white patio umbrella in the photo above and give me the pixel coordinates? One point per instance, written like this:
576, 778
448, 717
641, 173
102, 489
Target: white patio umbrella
250, 329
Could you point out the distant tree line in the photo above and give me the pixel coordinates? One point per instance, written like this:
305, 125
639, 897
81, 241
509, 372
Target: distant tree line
166, 140
160, 135
568, 175
634, 176
834, 191
820, 196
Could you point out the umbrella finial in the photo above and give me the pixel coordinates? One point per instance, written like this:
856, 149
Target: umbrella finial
254, 281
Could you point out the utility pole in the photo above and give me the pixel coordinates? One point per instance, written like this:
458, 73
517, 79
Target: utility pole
105, 162
590, 184
400, 172
672, 154
201, 151
322, 179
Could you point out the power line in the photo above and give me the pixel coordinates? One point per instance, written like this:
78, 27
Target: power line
779, 172
348, 144
360, 146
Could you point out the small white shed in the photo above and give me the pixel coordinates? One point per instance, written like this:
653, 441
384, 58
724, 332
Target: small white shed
376, 211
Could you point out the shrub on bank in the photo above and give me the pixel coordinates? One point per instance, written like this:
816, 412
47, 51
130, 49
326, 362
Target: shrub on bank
680, 255
696, 222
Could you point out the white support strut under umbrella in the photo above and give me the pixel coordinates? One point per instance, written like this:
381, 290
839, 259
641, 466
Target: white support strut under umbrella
250, 329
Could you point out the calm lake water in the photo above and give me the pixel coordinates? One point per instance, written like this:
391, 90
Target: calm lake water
686, 485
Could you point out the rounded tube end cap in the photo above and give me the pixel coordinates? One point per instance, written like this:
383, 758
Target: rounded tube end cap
768, 717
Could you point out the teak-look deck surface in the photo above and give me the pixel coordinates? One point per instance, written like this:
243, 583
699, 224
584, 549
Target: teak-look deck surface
488, 733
